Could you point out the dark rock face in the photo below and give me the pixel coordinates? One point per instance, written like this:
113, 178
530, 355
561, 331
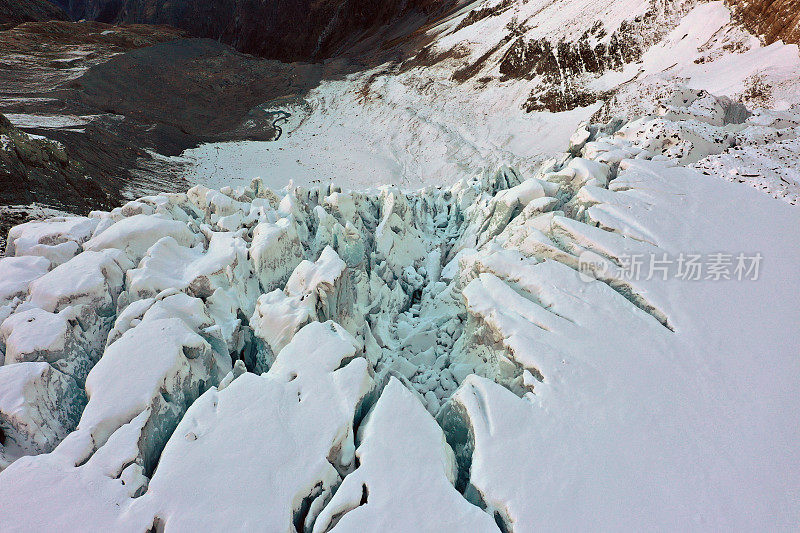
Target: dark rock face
565, 60
484, 12
288, 30
773, 20
559, 64
135, 90
203, 88
18, 11
39, 170
87, 167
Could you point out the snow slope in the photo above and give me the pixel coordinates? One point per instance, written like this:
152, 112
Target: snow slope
419, 123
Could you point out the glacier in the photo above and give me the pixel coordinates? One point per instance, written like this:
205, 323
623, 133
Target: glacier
472, 357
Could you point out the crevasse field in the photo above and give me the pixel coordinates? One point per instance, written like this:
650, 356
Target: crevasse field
456, 316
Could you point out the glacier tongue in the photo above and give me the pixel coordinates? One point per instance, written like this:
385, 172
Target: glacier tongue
278, 360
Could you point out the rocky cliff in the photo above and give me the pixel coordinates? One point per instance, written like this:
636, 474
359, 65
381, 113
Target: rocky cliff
772, 19
16, 11
289, 30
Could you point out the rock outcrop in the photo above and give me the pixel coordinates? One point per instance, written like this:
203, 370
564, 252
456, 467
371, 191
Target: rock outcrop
773, 20
293, 30
30, 166
16, 11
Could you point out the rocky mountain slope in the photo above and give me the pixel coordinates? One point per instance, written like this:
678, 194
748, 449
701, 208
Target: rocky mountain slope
14, 12
541, 67
39, 61
90, 87
29, 165
301, 30
288, 30
771, 19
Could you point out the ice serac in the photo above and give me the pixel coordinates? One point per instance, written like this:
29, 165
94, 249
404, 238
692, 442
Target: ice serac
139, 391
199, 270
73, 308
615, 393
134, 235
36, 335
92, 494
161, 365
16, 274
405, 477
315, 291
56, 239
397, 238
267, 451
39, 406
93, 279
275, 252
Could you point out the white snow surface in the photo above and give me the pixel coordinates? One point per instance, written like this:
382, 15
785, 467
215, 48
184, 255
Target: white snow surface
406, 475
418, 127
49, 121
475, 355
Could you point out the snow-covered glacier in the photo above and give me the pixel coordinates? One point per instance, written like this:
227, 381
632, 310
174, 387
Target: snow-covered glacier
608, 341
